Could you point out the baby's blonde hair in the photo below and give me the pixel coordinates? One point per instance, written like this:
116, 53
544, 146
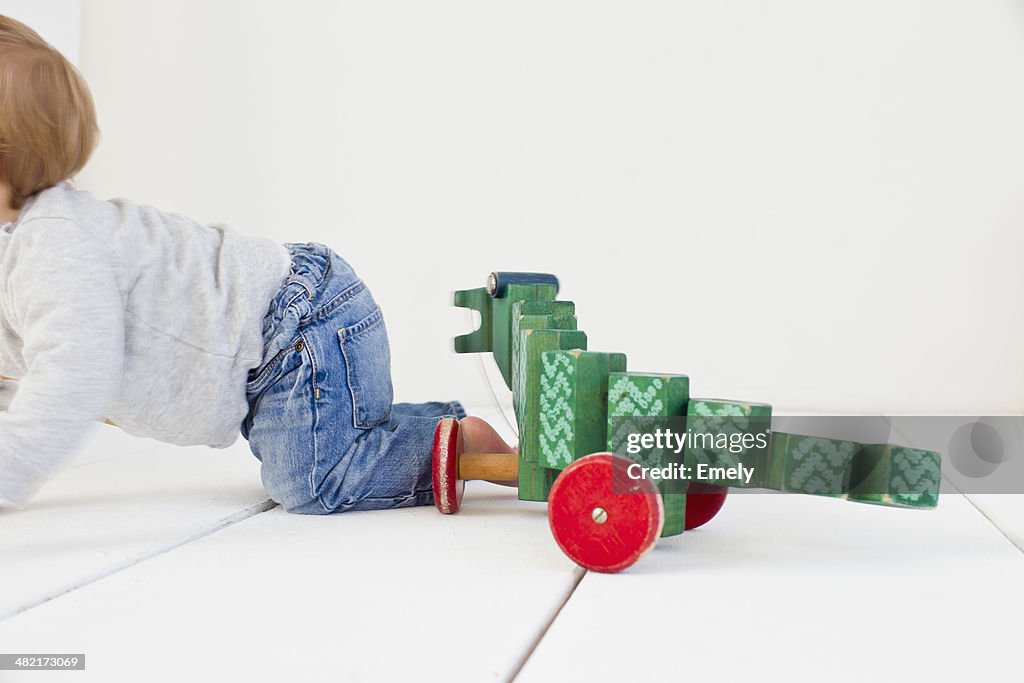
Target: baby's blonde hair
47, 119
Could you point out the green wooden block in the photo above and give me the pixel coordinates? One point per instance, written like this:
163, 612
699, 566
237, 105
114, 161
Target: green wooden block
574, 404
535, 481
643, 395
534, 315
810, 464
727, 435
543, 307
501, 321
495, 331
634, 398
524, 363
533, 486
886, 474
479, 340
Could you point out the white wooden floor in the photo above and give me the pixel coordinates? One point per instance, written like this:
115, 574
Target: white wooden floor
169, 564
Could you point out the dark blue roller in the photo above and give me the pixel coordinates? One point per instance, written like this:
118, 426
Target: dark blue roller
498, 281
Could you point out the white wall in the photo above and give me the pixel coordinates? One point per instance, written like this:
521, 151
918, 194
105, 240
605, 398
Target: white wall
57, 21
819, 205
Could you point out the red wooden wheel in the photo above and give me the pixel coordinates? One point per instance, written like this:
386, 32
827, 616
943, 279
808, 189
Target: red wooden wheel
703, 501
444, 470
600, 517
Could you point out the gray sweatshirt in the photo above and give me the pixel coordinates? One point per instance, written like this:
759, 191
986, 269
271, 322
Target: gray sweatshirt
113, 310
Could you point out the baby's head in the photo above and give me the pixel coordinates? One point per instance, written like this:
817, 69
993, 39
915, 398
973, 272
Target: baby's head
47, 120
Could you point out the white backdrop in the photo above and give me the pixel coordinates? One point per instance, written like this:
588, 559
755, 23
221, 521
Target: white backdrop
57, 21
818, 205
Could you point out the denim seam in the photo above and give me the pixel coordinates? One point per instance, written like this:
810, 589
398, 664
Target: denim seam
298, 295
338, 300
327, 269
392, 499
365, 325
374, 319
254, 385
348, 379
316, 419
414, 494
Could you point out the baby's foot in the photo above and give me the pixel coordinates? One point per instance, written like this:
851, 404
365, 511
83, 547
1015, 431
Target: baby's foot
480, 437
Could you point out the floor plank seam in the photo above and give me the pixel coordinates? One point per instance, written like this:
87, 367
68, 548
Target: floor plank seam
580, 572
993, 522
219, 525
966, 497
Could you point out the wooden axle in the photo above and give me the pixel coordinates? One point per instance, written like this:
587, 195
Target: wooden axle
451, 468
489, 466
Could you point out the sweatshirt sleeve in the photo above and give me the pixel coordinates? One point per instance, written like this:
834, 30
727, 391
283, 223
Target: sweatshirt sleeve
66, 305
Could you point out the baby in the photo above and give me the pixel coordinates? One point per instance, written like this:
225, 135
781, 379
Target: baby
182, 332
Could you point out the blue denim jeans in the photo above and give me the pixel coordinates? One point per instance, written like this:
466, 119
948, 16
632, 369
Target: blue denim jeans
321, 418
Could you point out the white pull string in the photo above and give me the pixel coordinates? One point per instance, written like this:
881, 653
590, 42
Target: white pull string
490, 386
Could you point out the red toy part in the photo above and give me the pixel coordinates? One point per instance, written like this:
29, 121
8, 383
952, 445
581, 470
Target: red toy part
448, 488
601, 518
703, 501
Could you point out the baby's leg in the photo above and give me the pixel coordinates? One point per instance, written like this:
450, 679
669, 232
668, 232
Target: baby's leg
322, 416
390, 465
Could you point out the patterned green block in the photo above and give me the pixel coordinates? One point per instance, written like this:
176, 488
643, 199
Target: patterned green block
534, 481
634, 395
886, 474
810, 464
534, 315
728, 434
574, 404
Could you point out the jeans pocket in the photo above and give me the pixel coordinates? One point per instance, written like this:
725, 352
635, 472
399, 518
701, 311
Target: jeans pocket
368, 368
